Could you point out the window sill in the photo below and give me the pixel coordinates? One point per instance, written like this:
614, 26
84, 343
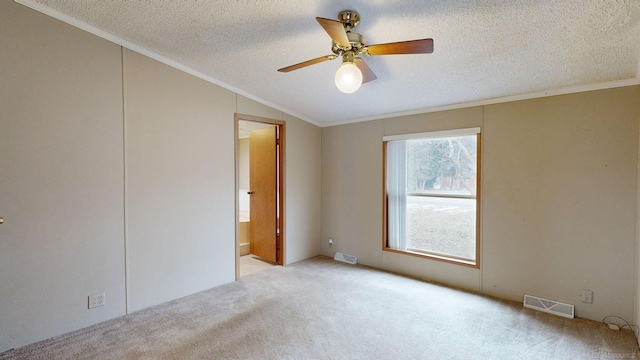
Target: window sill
466, 263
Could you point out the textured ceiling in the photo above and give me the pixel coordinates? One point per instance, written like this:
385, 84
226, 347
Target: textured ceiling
483, 49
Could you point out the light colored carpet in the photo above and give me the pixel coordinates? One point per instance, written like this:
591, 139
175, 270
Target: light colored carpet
251, 264
322, 309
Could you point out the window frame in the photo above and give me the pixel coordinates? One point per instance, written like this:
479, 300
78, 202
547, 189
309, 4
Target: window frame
424, 254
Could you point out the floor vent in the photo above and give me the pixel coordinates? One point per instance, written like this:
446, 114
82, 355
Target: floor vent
549, 306
346, 258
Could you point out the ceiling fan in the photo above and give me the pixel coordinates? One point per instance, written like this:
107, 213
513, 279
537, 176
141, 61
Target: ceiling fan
351, 46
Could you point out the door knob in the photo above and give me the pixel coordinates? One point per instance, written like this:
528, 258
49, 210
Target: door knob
1, 220
250, 192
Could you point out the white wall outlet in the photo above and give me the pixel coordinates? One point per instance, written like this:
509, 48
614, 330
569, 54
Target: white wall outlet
587, 296
330, 242
96, 300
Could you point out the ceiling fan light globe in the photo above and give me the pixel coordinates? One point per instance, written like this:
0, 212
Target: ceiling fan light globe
348, 78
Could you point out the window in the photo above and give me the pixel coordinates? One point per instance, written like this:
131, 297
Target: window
431, 202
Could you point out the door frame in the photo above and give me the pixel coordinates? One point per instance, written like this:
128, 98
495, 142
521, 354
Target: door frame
280, 240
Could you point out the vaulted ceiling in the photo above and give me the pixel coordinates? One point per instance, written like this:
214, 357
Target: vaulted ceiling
483, 50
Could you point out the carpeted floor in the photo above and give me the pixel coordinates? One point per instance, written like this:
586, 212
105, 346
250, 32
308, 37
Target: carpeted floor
251, 264
323, 309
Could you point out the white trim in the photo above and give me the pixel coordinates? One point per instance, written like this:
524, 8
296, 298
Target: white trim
139, 49
433, 134
499, 100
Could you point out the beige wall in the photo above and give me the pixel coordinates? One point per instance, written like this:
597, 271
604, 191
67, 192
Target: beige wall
179, 136
352, 190
134, 199
61, 177
303, 190
558, 198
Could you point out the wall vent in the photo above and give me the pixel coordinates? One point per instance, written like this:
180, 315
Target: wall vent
549, 306
350, 259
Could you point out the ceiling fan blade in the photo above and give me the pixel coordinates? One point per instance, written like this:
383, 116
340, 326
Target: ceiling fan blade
336, 30
424, 46
367, 74
307, 63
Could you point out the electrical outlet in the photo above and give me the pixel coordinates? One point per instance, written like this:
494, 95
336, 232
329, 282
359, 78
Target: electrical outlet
96, 300
330, 242
587, 296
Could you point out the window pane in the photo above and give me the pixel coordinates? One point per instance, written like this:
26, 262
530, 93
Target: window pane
444, 166
442, 225
432, 196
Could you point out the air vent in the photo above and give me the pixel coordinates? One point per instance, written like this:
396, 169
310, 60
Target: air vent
350, 259
549, 306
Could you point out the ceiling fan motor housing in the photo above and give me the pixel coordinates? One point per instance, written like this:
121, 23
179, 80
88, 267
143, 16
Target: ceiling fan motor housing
356, 41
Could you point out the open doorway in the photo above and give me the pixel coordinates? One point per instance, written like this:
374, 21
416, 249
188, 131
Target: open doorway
259, 160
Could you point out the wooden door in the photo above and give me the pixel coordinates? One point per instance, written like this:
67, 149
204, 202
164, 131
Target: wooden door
263, 182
